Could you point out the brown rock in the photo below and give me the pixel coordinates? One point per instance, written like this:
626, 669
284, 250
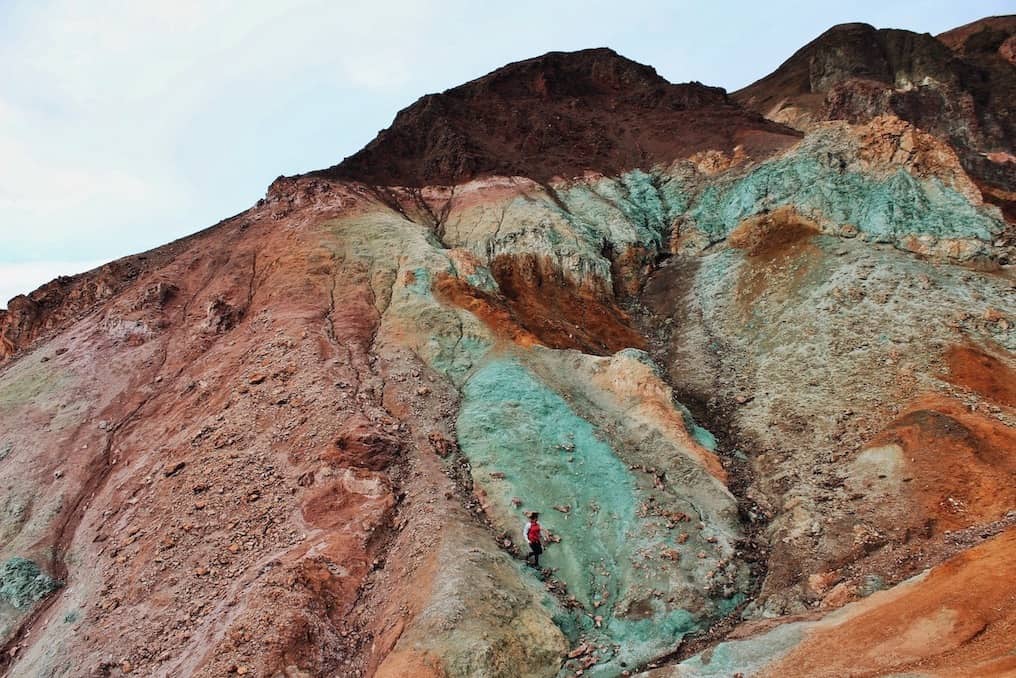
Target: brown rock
840, 595
175, 468
820, 582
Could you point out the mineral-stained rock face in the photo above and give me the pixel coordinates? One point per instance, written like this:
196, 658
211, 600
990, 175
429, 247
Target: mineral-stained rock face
986, 37
958, 87
759, 387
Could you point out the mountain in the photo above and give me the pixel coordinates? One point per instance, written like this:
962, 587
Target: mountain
557, 115
959, 87
756, 375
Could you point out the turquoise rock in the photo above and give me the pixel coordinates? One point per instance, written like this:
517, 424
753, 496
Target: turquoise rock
23, 583
886, 208
525, 441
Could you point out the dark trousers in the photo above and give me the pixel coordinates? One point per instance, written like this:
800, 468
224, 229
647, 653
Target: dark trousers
535, 549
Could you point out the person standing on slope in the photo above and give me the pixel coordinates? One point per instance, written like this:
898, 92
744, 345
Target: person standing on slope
533, 534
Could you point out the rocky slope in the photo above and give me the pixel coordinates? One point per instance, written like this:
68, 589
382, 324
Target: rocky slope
959, 87
559, 114
986, 37
759, 383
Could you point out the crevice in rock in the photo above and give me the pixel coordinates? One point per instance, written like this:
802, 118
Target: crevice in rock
735, 451
389, 200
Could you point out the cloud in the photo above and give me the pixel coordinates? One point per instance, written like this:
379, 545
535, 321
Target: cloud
55, 204
34, 182
24, 277
115, 118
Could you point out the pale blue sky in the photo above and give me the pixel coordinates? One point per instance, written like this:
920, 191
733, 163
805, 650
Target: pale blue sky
126, 125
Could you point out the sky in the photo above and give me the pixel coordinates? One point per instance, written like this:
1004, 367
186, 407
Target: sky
124, 125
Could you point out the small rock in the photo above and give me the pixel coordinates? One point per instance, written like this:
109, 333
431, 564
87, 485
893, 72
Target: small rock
821, 582
871, 584
256, 378
176, 468
442, 446
993, 315
840, 595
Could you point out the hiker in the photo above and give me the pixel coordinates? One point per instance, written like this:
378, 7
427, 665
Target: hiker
533, 534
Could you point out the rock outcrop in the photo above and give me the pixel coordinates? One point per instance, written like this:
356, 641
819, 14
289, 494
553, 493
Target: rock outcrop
557, 115
958, 87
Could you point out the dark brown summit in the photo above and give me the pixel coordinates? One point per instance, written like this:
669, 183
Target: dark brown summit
991, 36
959, 88
558, 114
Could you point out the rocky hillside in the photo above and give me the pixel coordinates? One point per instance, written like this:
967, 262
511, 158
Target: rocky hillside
759, 382
559, 114
959, 86
992, 36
